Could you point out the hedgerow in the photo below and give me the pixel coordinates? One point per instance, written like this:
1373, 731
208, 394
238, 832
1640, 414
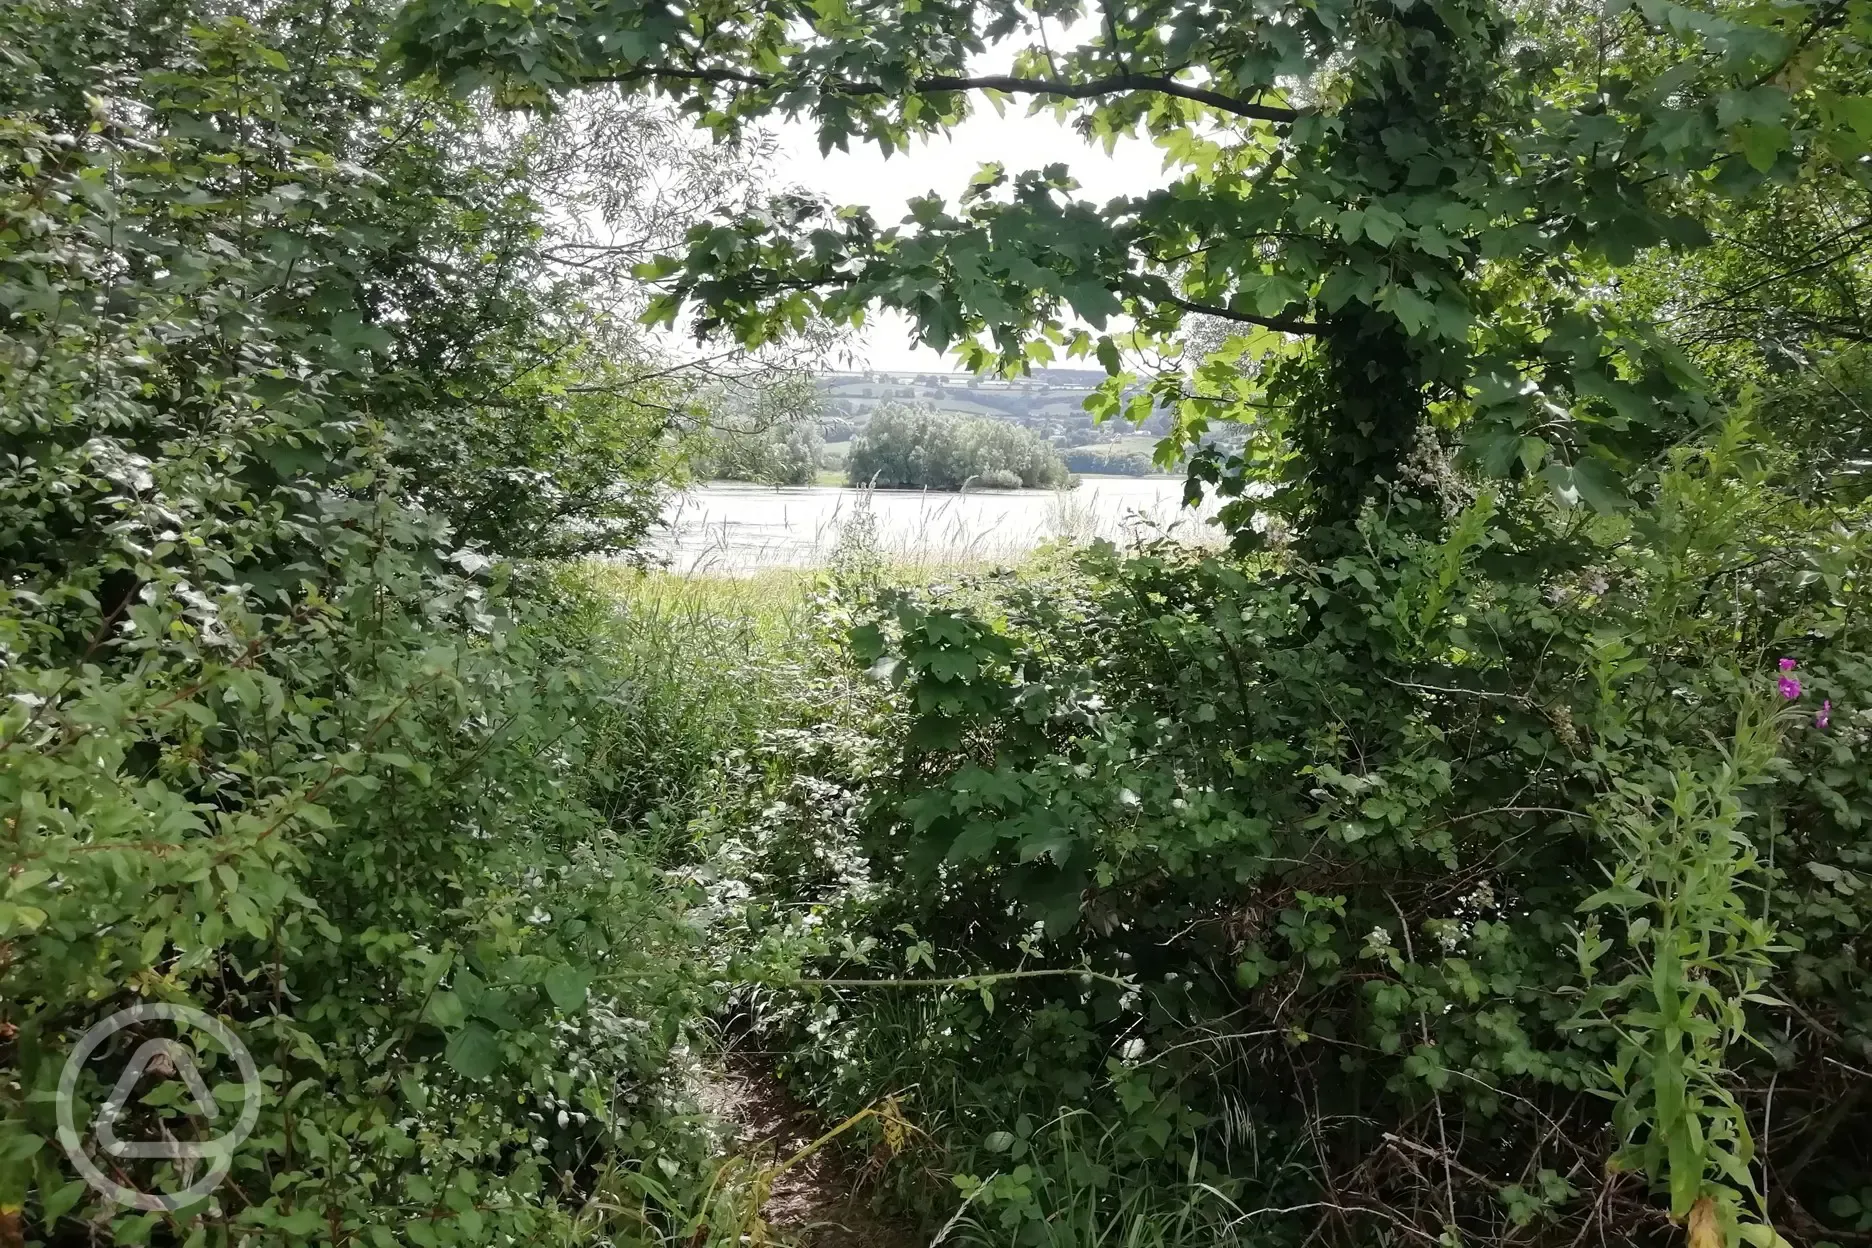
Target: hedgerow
1429, 893
279, 739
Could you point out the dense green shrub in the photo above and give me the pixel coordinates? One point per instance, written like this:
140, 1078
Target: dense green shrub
1105, 460
762, 432
1439, 875
1476, 853
277, 738
779, 456
906, 447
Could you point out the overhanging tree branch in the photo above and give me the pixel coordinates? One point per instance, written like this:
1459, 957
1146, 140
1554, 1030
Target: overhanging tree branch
1285, 325
1115, 84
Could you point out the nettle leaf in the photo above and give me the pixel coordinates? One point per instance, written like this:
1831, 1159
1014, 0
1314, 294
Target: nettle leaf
568, 987
474, 1052
445, 1009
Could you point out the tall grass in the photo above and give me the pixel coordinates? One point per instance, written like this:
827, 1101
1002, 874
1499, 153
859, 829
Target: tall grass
701, 664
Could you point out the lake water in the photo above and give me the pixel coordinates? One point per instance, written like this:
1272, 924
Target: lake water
732, 527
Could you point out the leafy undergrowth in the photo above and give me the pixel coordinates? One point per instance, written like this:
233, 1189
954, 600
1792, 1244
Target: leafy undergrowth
282, 738
1181, 898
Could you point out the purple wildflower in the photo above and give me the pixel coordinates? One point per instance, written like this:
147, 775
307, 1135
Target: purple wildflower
1787, 665
1824, 716
1790, 687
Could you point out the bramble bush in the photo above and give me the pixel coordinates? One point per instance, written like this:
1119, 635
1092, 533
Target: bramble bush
277, 740
1464, 888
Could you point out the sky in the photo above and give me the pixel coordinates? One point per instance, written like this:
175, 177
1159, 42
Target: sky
864, 176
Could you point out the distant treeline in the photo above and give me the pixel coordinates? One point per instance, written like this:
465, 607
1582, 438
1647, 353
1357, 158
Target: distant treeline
767, 433
907, 447
788, 454
1108, 461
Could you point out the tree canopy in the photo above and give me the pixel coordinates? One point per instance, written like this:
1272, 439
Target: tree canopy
1411, 209
922, 449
